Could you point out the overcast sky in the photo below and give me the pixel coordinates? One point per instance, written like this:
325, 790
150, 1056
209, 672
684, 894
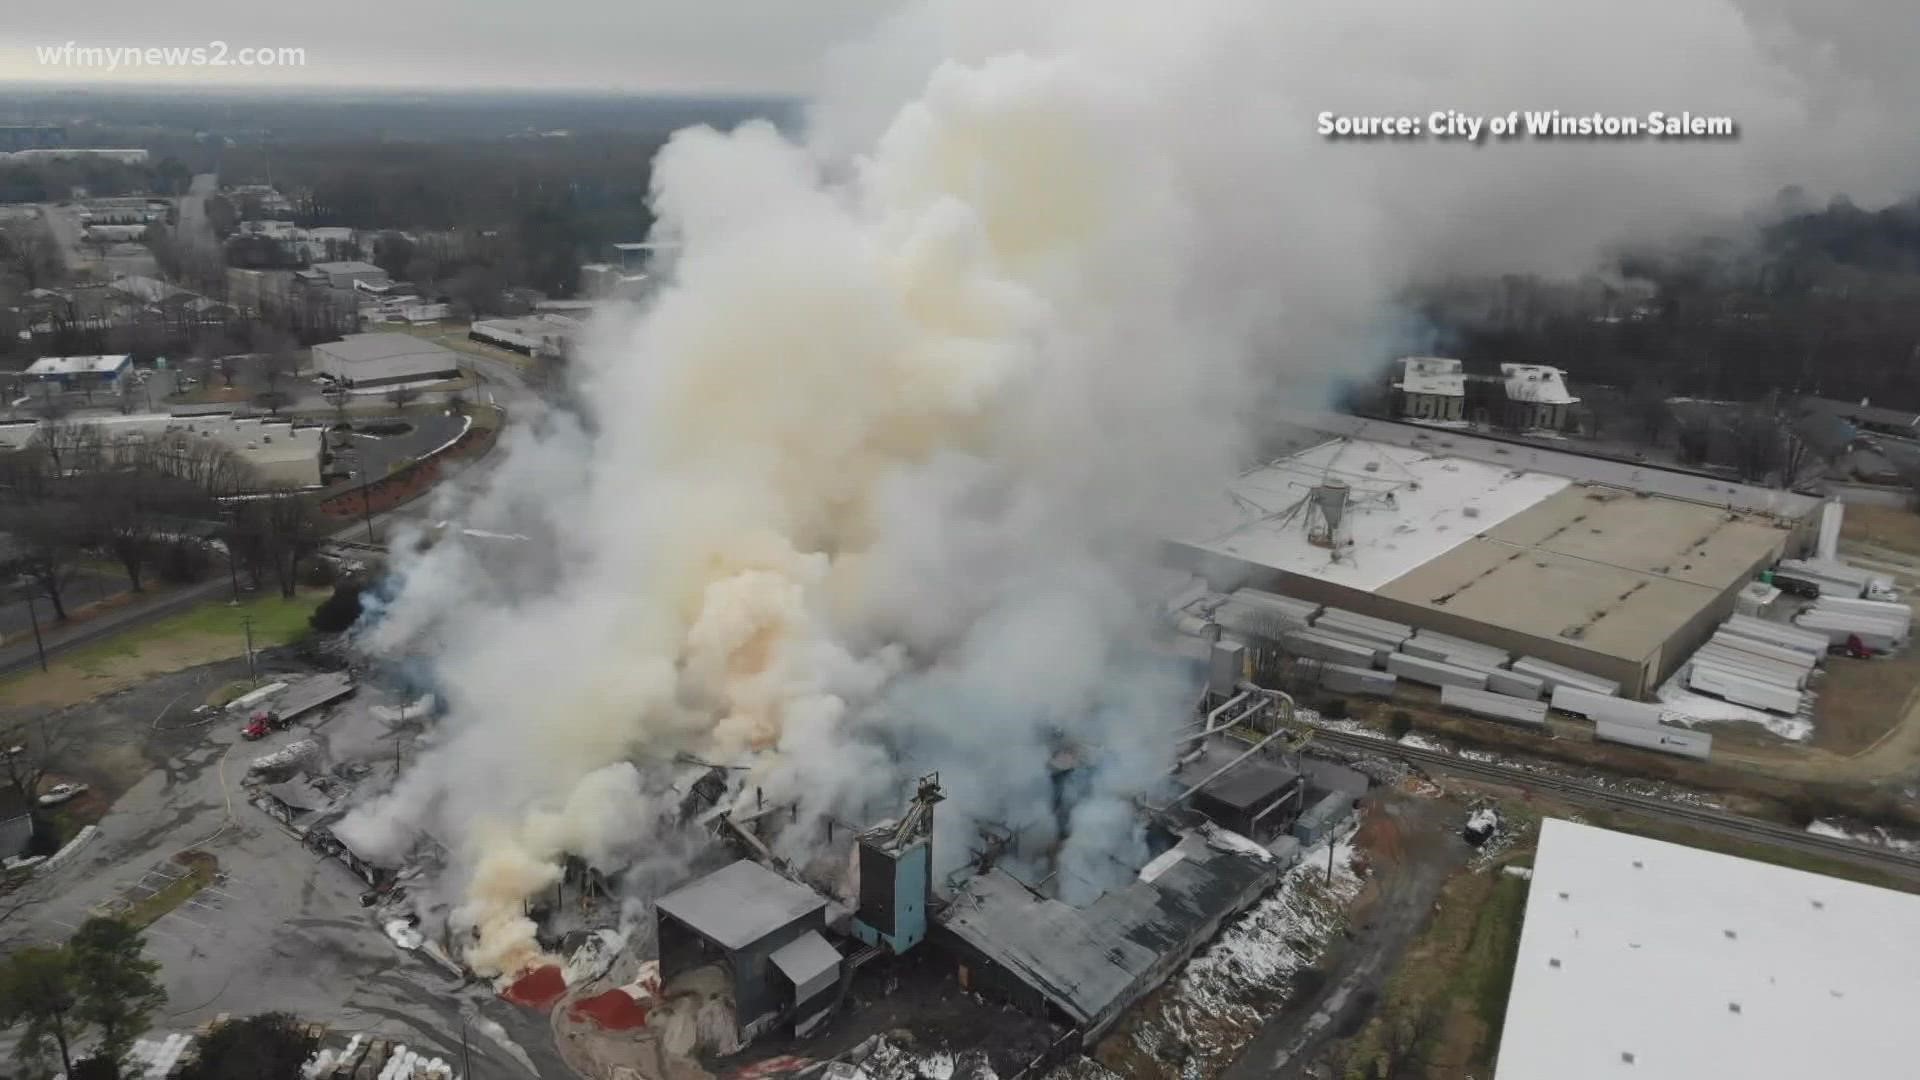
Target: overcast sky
747, 46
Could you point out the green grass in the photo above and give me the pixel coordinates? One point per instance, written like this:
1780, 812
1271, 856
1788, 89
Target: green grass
275, 622
1486, 977
145, 912
223, 696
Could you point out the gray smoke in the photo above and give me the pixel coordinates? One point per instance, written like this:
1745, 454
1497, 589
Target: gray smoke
866, 490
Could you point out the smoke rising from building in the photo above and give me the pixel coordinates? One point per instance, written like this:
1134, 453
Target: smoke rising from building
865, 490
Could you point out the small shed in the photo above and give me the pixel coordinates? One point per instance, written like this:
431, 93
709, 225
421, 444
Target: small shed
742, 918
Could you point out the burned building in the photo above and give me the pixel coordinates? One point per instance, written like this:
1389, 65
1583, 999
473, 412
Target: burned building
1084, 966
1257, 798
763, 931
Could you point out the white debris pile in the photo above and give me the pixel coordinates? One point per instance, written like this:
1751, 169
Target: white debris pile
883, 1058
1082, 1068
404, 935
153, 1059
416, 709
285, 759
325, 1060
408, 1064
1219, 999
593, 957
1691, 709
1227, 840
1873, 834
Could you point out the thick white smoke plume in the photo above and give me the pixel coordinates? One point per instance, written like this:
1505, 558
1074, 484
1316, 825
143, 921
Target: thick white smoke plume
864, 490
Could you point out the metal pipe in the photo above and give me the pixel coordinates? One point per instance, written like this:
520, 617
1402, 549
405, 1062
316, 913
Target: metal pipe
1209, 727
1224, 769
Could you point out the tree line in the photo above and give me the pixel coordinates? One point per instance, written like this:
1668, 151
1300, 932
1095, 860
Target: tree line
504, 213
1823, 302
164, 505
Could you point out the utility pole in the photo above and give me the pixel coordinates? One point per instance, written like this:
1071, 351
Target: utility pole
1329, 860
246, 625
366, 504
34, 617
466, 1054
233, 538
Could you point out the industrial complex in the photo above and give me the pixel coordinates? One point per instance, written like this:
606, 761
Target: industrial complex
1615, 570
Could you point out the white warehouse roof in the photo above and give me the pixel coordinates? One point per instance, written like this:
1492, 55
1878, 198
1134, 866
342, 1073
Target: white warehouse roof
383, 357
1647, 960
74, 365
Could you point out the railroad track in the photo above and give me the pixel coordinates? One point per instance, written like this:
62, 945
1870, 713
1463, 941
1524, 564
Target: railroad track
1720, 821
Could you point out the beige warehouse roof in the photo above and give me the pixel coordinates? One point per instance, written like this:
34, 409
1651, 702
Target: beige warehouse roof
1610, 571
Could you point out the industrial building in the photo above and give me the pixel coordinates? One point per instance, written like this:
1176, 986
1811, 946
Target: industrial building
1610, 568
1085, 965
1646, 959
280, 453
542, 334
763, 930
372, 360
69, 372
349, 274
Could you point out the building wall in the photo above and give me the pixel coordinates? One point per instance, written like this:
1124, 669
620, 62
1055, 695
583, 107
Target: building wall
1221, 573
1637, 677
1432, 406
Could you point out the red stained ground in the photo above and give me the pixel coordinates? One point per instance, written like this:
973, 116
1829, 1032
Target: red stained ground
613, 1011
537, 988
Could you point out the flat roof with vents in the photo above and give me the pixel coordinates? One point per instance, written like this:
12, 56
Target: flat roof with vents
1610, 567
1645, 960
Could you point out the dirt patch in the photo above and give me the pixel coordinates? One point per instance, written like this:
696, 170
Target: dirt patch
1862, 700
1884, 526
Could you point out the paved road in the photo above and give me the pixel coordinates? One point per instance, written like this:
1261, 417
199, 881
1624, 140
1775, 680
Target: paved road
282, 927
1357, 969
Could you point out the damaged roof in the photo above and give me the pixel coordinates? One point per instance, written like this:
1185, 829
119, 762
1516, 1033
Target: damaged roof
1092, 962
739, 904
1245, 785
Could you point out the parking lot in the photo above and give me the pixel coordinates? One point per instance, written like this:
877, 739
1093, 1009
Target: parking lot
276, 926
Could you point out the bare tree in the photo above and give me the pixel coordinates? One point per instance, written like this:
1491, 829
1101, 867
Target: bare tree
51, 534
28, 751
292, 534
275, 365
